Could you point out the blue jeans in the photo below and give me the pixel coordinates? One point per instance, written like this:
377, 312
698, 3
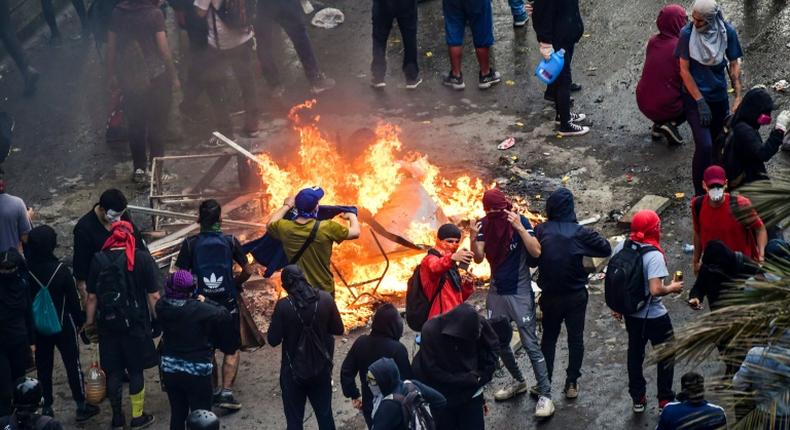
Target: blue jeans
517, 8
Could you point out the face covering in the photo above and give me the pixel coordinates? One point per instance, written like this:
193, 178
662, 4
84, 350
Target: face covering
113, 216
716, 194
764, 119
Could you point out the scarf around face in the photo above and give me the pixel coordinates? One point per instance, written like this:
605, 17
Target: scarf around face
646, 228
122, 236
708, 46
497, 230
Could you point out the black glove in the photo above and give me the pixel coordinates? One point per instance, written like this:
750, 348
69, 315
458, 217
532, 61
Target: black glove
705, 115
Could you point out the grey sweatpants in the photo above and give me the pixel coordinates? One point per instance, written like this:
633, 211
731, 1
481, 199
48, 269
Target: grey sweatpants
520, 308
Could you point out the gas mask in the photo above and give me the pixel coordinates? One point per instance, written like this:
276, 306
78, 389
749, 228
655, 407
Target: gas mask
716, 194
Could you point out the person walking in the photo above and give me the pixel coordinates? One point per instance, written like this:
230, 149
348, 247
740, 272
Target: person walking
558, 25
45, 271
210, 255
659, 91
305, 371
477, 13
716, 215
186, 350
27, 399
384, 13
692, 411
14, 219
123, 287
14, 48
439, 275
563, 282
652, 322
708, 49
383, 341
48, 10
457, 357
745, 153
505, 239
307, 241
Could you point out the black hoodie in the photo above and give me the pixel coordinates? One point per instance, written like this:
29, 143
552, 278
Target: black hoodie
720, 266
16, 311
563, 245
749, 153
557, 22
383, 341
458, 354
389, 415
187, 326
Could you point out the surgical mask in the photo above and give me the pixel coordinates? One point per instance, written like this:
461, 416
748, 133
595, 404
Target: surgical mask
716, 194
764, 119
113, 216
375, 390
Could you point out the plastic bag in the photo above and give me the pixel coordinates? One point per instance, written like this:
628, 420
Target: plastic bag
328, 18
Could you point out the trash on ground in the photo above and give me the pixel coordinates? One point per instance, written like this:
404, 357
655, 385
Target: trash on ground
591, 220
781, 85
506, 144
510, 83
680, 196
688, 248
307, 7
328, 18
651, 202
519, 124
429, 54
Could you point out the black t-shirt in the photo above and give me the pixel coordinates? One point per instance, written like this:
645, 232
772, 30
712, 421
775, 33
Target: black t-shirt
89, 237
145, 280
184, 260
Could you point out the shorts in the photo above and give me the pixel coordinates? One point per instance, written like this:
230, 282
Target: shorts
227, 337
457, 13
119, 352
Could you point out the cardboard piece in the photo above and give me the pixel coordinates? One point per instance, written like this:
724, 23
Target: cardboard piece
650, 201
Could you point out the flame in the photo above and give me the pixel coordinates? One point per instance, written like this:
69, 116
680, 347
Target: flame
369, 182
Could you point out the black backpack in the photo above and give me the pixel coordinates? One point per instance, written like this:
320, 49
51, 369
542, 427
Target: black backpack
237, 14
624, 286
312, 358
416, 411
117, 306
418, 305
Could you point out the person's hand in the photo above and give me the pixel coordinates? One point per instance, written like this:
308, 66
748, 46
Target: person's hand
546, 50
705, 114
201, 298
695, 304
486, 410
475, 229
783, 120
618, 316
697, 265
515, 220
357, 403
289, 202
528, 8
91, 333
463, 256
348, 216
675, 287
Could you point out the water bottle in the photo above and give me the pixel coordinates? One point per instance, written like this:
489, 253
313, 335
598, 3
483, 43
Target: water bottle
548, 70
95, 384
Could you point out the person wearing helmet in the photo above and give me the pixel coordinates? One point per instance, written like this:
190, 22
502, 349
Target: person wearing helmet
202, 419
27, 399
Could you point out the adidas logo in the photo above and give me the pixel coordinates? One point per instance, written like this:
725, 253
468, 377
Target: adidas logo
212, 282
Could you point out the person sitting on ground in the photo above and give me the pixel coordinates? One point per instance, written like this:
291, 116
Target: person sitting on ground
383, 341
388, 389
308, 242
46, 271
441, 281
202, 419
457, 357
305, 367
745, 153
692, 411
658, 93
27, 399
187, 352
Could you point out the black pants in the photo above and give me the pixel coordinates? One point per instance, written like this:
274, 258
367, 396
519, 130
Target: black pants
49, 15
239, 61
462, 416
318, 391
13, 361
288, 15
570, 309
68, 346
186, 393
8, 35
657, 331
146, 113
560, 89
115, 387
384, 13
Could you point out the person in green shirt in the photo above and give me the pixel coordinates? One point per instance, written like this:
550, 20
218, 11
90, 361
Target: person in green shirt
315, 259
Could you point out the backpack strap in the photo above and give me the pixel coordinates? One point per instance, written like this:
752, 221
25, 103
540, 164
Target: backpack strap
306, 243
45, 287
696, 207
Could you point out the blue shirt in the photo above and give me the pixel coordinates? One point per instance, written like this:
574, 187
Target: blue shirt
692, 415
513, 273
711, 80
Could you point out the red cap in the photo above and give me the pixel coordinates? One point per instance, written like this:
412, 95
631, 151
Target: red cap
714, 175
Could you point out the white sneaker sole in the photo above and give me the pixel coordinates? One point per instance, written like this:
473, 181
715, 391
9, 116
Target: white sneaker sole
487, 85
457, 87
378, 85
582, 132
414, 85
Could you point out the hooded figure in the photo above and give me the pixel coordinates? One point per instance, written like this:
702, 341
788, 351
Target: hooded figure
659, 89
385, 381
745, 153
709, 43
720, 266
383, 341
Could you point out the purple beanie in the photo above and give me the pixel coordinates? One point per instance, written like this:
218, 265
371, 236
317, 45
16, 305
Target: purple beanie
179, 285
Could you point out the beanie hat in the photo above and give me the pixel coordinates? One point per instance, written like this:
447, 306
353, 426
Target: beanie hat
179, 285
449, 231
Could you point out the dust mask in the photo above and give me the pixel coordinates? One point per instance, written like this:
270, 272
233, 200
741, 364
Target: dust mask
113, 216
716, 194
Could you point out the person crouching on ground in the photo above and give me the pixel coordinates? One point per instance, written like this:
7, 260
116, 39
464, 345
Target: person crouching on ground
692, 411
439, 270
306, 367
658, 93
187, 353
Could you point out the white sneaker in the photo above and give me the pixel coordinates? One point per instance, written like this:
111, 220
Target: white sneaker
511, 391
544, 408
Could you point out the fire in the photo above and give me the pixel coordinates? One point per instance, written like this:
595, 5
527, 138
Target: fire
382, 179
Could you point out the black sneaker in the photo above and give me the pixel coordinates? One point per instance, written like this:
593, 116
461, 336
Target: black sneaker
118, 422
575, 87
492, 78
520, 21
378, 83
640, 405
550, 98
47, 411
226, 401
86, 413
575, 117
412, 84
571, 390
671, 132
322, 83
456, 82
141, 422
655, 132
572, 129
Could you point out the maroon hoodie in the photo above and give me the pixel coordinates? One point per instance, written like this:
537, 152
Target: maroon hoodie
659, 88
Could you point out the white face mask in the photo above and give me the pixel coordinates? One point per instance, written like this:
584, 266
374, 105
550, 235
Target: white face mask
113, 216
716, 194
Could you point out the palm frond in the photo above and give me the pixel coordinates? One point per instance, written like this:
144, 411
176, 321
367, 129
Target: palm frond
771, 199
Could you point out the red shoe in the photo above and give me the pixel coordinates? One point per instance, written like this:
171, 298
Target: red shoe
640, 405
662, 404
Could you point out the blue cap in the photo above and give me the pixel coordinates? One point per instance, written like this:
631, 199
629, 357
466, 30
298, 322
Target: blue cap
307, 199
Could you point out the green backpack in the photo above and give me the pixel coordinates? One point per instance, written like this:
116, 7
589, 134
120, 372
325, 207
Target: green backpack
45, 316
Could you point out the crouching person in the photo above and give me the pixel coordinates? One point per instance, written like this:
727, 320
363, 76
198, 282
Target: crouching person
186, 363
305, 322
396, 403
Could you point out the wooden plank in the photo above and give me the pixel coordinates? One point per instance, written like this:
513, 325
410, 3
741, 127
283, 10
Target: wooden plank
650, 201
238, 148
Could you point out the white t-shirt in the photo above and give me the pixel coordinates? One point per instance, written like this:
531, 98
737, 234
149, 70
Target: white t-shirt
229, 38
